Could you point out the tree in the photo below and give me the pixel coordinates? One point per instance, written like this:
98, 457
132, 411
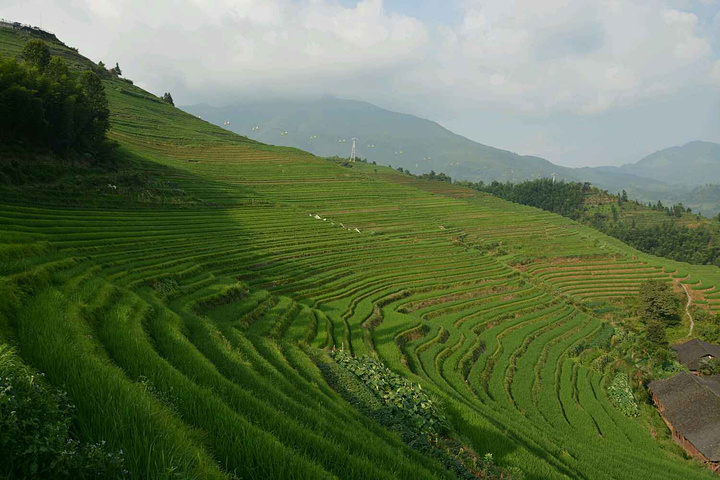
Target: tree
116, 70
57, 68
101, 70
655, 343
56, 110
710, 366
98, 120
624, 196
656, 335
658, 303
23, 116
565, 198
167, 98
36, 54
614, 213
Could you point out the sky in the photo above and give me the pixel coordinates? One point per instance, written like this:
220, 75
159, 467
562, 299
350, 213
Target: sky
579, 82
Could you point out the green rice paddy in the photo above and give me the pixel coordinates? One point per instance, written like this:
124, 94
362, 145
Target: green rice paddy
186, 333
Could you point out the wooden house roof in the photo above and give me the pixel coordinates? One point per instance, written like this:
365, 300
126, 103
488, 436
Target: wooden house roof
692, 353
691, 404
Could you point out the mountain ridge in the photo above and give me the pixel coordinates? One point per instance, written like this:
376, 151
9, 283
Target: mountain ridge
323, 126
693, 161
401, 139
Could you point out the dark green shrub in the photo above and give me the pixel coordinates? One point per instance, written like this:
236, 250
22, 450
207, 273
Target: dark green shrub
46, 105
36, 53
35, 421
710, 366
659, 303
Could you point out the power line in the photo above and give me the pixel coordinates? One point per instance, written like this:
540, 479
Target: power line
353, 152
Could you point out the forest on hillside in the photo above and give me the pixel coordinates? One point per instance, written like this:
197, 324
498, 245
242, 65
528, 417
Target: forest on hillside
697, 245
47, 105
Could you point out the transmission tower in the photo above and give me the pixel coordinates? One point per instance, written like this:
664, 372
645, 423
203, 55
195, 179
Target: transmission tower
353, 152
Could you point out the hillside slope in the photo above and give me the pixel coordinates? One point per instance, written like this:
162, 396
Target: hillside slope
190, 334
693, 164
326, 126
671, 231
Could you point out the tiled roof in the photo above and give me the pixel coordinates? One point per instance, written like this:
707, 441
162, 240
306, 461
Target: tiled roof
692, 352
692, 406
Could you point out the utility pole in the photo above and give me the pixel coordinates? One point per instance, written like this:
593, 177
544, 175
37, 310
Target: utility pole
353, 152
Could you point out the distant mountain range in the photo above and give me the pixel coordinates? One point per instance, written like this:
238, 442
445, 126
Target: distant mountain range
695, 163
688, 174
327, 125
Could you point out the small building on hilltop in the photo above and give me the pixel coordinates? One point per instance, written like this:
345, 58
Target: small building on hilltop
29, 29
694, 352
690, 406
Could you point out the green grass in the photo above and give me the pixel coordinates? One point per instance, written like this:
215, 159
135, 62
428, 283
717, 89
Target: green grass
187, 332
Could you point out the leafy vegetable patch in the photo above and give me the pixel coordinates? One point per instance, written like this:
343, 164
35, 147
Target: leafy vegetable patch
622, 397
405, 398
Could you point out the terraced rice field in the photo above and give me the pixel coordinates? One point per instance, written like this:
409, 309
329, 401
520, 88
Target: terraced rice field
186, 334
597, 279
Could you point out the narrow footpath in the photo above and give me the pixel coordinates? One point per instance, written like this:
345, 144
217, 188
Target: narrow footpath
687, 310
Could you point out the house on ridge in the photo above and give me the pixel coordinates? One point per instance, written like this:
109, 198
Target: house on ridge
692, 353
690, 406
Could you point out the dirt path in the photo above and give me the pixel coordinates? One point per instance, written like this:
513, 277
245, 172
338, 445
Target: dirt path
687, 310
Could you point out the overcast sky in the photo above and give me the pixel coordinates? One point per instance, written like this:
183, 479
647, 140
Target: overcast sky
579, 82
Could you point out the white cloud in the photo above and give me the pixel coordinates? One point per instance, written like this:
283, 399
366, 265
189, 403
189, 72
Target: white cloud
715, 73
104, 8
537, 57
687, 44
582, 56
